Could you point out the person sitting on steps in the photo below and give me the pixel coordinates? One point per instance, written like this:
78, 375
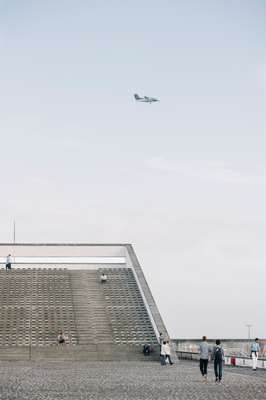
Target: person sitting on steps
103, 278
61, 339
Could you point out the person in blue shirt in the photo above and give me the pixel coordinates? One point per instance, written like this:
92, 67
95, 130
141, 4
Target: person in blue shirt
254, 350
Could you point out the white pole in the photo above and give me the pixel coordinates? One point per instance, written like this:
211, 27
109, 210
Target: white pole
14, 232
249, 326
14, 238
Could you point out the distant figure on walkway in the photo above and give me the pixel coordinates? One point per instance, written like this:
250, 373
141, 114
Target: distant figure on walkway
8, 262
61, 339
161, 338
103, 278
204, 357
255, 348
163, 353
168, 352
218, 359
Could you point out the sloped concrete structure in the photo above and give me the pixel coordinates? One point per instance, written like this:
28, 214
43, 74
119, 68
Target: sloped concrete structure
53, 287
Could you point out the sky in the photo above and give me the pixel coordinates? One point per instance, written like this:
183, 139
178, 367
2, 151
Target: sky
183, 180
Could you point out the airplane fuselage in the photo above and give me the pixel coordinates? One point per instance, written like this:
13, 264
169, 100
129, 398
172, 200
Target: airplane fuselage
145, 99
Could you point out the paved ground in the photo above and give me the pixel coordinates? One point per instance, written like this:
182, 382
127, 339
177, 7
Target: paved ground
124, 381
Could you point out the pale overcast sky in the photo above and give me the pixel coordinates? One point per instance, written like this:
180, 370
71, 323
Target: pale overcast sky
183, 180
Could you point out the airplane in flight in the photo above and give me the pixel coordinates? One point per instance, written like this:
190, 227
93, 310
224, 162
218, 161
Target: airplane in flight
145, 99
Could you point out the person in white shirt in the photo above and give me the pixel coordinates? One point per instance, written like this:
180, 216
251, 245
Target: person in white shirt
167, 350
255, 348
103, 278
8, 262
163, 353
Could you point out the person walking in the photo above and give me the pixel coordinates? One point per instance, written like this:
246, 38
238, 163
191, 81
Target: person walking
255, 348
167, 349
163, 353
218, 359
204, 357
8, 262
161, 338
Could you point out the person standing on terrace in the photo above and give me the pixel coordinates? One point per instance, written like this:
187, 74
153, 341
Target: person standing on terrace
204, 350
218, 359
168, 352
255, 348
8, 262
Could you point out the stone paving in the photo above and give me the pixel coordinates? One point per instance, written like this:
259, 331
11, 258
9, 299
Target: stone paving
124, 381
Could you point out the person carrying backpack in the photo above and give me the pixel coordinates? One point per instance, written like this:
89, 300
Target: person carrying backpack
218, 358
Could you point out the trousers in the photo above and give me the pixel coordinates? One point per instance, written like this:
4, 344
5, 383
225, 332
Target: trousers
203, 366
218, 369
254, 359
169, 359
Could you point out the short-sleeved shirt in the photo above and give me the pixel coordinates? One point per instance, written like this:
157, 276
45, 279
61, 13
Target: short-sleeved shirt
8, 260
255, 347
204, 351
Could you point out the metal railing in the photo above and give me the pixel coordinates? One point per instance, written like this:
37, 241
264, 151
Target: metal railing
189, 355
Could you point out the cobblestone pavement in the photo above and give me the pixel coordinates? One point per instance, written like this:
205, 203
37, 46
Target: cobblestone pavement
124, 381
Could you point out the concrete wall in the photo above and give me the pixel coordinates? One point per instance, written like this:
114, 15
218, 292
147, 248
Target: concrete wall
62, 250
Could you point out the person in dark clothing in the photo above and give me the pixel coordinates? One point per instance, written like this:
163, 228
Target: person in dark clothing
218, 358
161, 338
146, 349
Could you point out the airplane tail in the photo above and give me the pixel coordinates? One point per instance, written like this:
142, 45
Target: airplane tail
136, 96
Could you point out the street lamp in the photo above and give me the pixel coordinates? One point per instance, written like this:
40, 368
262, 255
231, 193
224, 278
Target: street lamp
249, 326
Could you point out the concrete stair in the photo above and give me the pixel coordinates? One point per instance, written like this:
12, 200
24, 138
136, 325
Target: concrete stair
92, 322
126, 309
35, 304
101, 321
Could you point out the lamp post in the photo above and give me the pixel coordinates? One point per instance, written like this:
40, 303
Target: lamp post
249, 326
14, 231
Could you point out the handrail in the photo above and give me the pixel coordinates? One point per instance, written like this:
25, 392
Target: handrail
146, 305
226, 355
